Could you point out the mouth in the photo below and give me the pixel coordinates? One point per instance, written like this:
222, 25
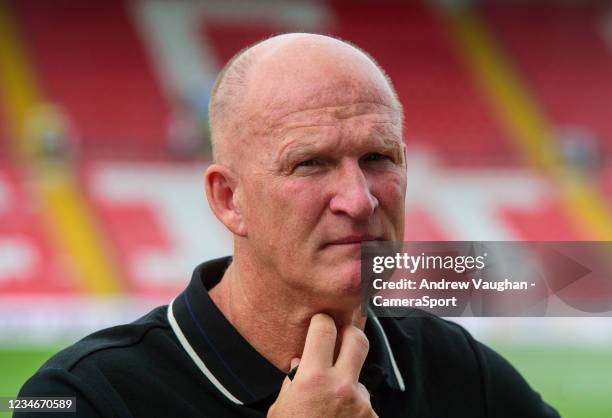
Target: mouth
355, 239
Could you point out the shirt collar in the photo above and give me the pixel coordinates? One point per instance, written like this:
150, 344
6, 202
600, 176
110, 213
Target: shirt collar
231, 364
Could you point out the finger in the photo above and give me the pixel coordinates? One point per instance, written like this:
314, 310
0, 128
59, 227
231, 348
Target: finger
320, 342
287, 380
353, 352
285, 385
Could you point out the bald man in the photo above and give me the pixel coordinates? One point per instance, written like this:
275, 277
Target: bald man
309, 163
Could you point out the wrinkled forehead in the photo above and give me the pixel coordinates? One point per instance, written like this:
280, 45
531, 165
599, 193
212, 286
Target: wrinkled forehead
313, 74
302, 80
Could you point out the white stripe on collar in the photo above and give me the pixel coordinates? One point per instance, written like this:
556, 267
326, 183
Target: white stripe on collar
196, 359
398, 375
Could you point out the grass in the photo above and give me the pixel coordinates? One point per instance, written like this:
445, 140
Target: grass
16, 366
577, 382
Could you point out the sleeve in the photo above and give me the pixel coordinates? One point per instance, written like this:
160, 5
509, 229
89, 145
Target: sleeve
90, 402
507, 392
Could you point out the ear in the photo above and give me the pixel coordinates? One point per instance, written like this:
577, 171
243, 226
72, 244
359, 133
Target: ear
222, 192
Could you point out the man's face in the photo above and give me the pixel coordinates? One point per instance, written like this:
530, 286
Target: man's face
328, 172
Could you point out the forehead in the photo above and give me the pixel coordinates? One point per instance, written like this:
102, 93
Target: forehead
366, 117
317, 88
328, 93
335, 131
338, 122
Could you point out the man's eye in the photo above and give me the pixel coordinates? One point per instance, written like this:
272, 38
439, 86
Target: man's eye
309, 163
375, 157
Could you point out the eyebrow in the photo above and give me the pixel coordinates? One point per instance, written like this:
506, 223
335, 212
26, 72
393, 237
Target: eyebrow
393, 146
387, 141
293, 151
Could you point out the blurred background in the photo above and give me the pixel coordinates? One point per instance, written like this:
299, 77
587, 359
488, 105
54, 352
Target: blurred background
104, 141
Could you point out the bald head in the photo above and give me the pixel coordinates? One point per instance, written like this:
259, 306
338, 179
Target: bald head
285, 73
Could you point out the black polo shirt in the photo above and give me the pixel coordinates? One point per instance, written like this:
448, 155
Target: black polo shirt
187, 360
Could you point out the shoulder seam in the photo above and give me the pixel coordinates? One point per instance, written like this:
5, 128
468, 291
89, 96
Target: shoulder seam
112, 346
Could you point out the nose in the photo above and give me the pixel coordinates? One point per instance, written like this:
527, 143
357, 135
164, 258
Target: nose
352, 193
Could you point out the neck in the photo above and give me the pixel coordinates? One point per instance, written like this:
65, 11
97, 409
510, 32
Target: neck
273, 319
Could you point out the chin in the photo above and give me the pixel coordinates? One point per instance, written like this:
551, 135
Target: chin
339, 275
347, 279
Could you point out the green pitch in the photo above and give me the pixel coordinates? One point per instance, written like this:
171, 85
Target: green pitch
578, 382
17, 365
15, 368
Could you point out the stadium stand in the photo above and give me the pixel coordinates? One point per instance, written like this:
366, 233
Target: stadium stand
29, 260
563, 54
102, 212
412, 43
90, 61
93, 63
4, 148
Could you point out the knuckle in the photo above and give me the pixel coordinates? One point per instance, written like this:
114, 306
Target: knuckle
345, 391
363, 390
315, 379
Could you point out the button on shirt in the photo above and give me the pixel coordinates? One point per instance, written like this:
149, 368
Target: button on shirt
187, 360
